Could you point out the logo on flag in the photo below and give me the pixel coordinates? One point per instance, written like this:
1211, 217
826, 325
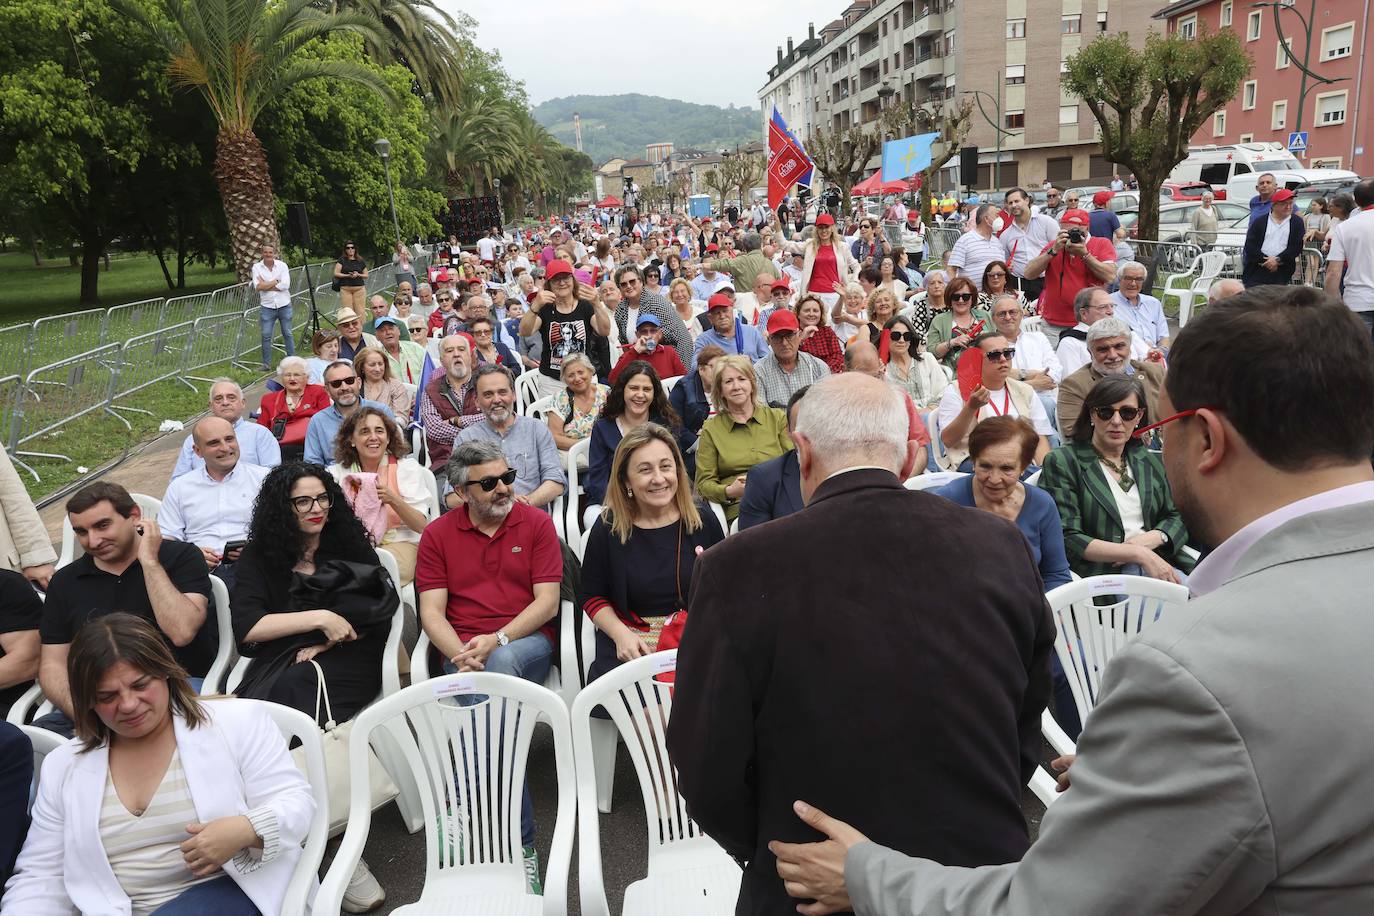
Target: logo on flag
788, 163
906, 156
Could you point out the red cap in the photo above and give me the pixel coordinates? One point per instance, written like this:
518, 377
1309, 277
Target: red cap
705, 220
825, 219
782, 320
1282, 194
1075, 217
780, 283
719, 301
712, 247
557, 268
442, 276
1102, 197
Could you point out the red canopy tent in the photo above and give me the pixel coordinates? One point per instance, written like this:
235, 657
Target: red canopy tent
609, 201
874, 184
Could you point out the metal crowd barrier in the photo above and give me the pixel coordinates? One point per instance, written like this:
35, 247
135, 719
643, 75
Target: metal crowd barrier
56, 394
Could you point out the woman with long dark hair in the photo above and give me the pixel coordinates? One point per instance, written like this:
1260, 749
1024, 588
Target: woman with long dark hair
636, 398
117, 825
350, 278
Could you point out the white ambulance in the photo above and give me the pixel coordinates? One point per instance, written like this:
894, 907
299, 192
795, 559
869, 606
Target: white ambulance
1233, 170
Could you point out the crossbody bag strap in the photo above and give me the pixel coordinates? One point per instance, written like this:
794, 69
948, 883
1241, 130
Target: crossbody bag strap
322, 693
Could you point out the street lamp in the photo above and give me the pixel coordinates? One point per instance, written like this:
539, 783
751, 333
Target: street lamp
997, 127
885, 94
500, 207
383, 148
1318, 80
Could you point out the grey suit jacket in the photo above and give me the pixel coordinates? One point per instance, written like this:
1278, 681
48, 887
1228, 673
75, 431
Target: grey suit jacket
1227, 768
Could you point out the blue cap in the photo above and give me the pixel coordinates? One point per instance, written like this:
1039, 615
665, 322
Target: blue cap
648, 319
385, 319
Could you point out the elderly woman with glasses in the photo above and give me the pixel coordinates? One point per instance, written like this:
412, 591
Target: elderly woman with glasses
287, 412
1113, 496
350, 279
954, 331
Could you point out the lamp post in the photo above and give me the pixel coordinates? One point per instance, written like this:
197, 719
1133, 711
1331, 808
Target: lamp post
998, 129
500, 205
383, 148
1302, 65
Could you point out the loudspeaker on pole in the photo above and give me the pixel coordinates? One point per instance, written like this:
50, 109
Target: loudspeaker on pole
298, 224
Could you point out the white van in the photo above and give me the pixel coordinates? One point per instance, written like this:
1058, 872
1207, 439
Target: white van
1232, 170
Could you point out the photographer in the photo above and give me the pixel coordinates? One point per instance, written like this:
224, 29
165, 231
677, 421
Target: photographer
1072, 262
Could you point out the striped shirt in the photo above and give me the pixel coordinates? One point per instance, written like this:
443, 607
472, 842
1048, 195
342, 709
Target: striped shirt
145, 851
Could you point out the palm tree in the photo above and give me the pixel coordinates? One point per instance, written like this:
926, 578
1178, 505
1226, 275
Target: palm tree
240, 55
474, 142
418, 35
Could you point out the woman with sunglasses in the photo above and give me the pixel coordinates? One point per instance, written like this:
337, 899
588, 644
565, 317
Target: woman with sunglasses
1107, 465
287, 412
996, 276
350, 276
489, 349
953, 332
569, 317
910, 367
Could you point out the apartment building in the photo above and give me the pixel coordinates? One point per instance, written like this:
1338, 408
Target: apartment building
1269, 102
1009, 54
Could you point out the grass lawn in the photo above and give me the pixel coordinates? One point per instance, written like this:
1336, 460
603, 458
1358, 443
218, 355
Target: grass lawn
28, 292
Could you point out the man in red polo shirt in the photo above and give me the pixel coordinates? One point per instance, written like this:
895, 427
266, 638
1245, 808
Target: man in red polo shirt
488, 575
1072, 262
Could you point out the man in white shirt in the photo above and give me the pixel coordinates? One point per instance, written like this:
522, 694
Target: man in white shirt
709, 281
1351, 260
255, 442
1028, 235
978, 247
793, 268
999, 395
212, 506
1092, 304
1035, 362
1141, 311
272, 279
488, 246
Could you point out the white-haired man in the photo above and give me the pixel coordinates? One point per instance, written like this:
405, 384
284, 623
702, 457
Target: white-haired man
1143, 312
1109, 351
255, 441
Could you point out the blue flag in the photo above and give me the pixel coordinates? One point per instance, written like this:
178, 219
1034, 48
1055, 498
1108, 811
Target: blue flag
907, 156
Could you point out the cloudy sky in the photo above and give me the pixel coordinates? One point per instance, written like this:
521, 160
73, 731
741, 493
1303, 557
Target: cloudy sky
562, 49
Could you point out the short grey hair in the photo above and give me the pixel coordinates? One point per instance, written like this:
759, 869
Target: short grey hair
854, 427
469, 455
1108, 328
1000, 296
576, 359
937, 272
750, 241
338, 362
1127, 265
225, 380
1219, 287
1083, 299
424, 287
291, 361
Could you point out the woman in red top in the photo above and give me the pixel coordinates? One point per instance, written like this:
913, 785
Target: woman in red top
817, 337
829, 263
287, 412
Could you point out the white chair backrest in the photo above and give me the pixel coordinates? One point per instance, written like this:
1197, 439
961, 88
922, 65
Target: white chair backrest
227, 651
391, 675
469, 762
149, 507
526, 389
932, 479
431, 484
1034, 323
1097, 616
719, 512
44, 743
640, 706
538, 408
1213, 262
933, 427
1034, 479
581, 451
668, 383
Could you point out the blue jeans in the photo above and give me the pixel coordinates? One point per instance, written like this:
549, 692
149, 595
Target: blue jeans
267, 321
529, 658
221, 896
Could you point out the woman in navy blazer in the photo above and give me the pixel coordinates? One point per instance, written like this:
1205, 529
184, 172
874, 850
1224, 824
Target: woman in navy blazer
636, 398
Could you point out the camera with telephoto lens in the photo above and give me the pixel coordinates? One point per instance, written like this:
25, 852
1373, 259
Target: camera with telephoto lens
1076, 236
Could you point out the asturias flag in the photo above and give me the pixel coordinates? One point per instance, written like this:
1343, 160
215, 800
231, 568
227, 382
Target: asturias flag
788, 163
906, 156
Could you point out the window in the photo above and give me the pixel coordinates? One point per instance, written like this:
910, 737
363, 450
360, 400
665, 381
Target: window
1282, 54
1015, 119
884, 28
1278, 120
1016, 28
1249, 94
1247, 138
1068, 114
1337, 41
1187, 27
1226, 13
1330, 109
1064, 65
1327, 163
1071, 25
1102, 20
1252, 25
1215, 173
1016, 74
1219, 124
949, 43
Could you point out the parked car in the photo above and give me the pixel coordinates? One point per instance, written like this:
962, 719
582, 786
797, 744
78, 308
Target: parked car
1173, 216
1187, 190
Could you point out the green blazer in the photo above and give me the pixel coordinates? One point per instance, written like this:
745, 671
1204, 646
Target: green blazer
942, 329
1075, 478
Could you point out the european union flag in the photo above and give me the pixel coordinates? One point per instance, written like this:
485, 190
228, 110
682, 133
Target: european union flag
907, 156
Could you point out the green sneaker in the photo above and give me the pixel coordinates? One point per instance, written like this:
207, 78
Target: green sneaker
532, 881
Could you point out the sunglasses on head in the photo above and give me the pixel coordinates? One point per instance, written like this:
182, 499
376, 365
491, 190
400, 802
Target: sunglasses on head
489, 483
958, 296
999, 355
340, 382
1128, 414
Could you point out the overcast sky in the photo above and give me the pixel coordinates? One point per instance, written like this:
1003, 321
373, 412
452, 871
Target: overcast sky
694, 53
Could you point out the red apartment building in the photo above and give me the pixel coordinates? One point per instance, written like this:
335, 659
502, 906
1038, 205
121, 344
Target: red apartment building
1267, 106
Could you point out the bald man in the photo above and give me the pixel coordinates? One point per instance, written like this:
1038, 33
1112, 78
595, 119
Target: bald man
212, 505
1224, 288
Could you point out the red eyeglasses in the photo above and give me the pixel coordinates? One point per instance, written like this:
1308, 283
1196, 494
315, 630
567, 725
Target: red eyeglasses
1144, 430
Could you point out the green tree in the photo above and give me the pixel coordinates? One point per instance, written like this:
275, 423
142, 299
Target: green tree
743, 172
950, 121
473, 142
240, 55
714, 180
842, 156
420, 36
1149, 103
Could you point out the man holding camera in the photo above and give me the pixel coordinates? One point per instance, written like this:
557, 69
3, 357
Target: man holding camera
1072, 262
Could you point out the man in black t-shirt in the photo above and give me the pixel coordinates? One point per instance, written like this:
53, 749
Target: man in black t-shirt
127, 567
20, 611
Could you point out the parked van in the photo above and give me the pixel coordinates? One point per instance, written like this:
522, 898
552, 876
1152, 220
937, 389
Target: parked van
1232, 170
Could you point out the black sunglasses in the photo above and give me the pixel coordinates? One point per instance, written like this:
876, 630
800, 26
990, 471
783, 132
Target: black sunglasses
340, 382
998, 355
1128, 414
959, 296
911, 336
489, 483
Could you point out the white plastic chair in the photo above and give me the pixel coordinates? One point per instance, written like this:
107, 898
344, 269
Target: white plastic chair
432, 484
149, 507
537, 409
1192, 285
1034, 479
719, 512
932, 480
470, 762
26, 707
668, 383
688, 871
227, 652
1033, 323
44, 743
1088, 634
581, 450
526, 389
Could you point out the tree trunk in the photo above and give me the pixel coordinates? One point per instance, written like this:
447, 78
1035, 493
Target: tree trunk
92, 249
181, 252
1150, 182
245, 189
37, 255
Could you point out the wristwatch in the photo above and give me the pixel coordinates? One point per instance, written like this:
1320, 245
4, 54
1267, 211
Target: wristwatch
502, 638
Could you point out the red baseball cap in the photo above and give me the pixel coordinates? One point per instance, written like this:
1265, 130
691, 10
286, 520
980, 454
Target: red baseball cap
557, 268
719, 301
712, 247
825, 219
1102, 197
782, 320
442, 276
1075, 217
780, 283
1281, 195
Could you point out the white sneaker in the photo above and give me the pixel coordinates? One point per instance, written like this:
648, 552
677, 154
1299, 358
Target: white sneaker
363, 894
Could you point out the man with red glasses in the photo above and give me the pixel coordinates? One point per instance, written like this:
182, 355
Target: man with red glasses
999, 395
1194, 790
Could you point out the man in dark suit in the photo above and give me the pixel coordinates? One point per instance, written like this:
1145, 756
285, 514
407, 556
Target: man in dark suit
845, 681
1272, 244
775, 486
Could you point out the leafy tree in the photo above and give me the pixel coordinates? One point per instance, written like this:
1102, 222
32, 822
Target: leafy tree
1150, 102
950, 122
842, 156
240, 55
420, 36
743, 172
715, 180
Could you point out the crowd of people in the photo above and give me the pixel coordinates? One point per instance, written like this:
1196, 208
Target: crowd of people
684, 373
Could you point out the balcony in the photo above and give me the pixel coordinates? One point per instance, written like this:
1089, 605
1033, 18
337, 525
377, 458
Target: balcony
928, 65
868, 77
929, 21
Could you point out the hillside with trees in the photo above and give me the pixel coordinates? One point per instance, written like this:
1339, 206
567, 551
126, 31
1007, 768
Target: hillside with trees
621, 125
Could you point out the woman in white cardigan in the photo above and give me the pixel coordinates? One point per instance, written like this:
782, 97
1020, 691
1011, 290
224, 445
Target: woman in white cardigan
837, 264
162, 803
